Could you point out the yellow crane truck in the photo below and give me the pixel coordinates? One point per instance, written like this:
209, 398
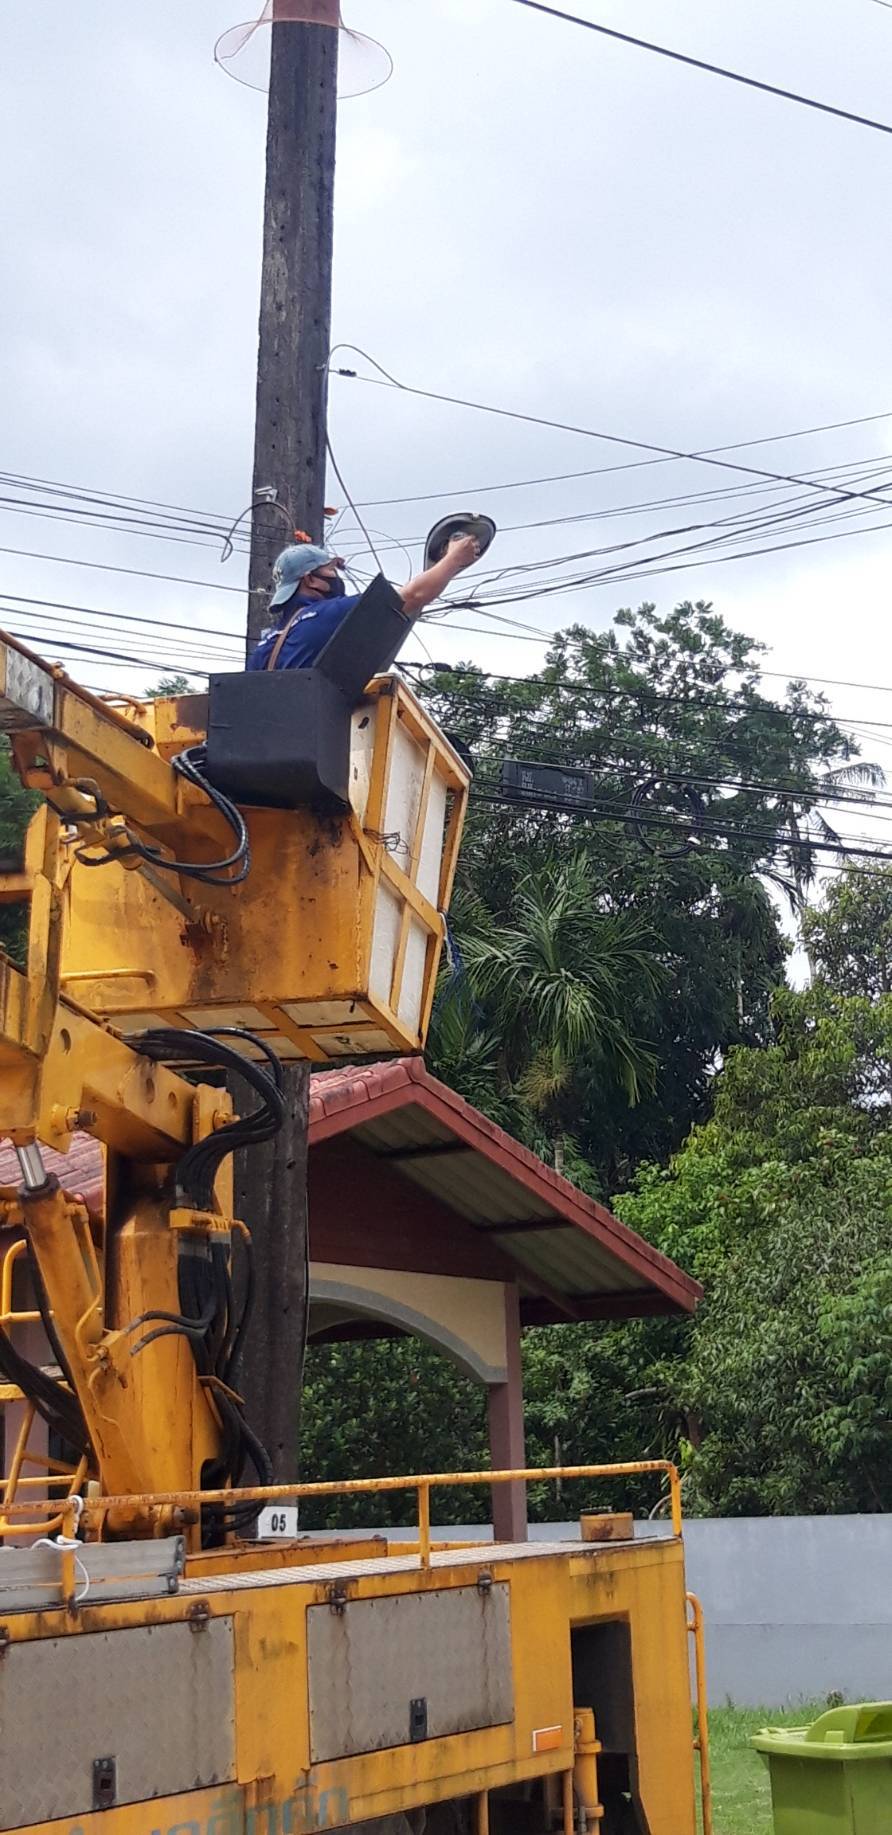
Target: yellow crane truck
196, 905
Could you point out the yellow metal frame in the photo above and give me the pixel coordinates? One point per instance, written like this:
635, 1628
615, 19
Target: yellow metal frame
146, 1504
298, 932
554, 1590
701, 1743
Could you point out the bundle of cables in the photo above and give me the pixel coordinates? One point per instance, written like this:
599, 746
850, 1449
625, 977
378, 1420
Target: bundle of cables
230, 871
210, 1320
53, 1398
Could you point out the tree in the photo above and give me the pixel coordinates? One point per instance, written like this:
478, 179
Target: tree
171, 685
664, 702
581, 1406
849, 936
424, 1416
17, 806
780, 1204
560, 979
809, 833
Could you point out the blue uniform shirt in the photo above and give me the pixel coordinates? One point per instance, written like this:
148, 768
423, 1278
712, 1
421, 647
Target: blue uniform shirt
317, 621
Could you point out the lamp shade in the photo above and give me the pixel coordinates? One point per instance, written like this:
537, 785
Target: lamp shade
244, 51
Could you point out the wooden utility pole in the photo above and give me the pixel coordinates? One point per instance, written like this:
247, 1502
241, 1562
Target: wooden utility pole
289, 453
295, 297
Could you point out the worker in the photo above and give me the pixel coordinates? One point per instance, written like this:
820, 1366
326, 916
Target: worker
311, 601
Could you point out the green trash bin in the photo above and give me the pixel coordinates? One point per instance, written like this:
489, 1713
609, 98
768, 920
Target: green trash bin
834, 1777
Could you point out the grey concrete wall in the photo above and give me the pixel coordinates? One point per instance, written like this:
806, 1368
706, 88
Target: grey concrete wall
795, 1606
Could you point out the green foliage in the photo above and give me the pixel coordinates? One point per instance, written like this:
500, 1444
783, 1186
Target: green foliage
849, 936
382, 1407
554, 996
782, 1205
597, 971
17, 806
392, 1406
170, 685
651, 698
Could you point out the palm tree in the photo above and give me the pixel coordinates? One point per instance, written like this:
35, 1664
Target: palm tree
467, 1054
745, 914
805, 830
560, 981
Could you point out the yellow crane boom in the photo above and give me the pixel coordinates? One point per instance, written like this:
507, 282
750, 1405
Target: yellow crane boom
159, 1667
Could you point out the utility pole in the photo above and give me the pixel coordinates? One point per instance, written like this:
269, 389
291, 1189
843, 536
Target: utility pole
295, 295
289, 454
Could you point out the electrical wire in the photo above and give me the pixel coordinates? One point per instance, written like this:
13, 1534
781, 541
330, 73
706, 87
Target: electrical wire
94, 612
705, 456
517, 484
137, 573
206, 1294
232, 870
818, 790
698, 63
646, 696
371, 546
741, 526
207, 1318
612, 512
629, 573
746, 518
215, 521
198, 1168
489, 792
338, 475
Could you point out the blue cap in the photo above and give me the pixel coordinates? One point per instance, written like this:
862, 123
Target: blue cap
293, 565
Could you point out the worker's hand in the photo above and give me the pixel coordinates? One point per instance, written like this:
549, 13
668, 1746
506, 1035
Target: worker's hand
462, 552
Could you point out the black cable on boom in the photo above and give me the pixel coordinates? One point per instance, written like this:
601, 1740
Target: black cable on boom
209, 1320
230, 871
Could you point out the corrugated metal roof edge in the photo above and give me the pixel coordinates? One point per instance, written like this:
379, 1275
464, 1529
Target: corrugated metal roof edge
384, 1087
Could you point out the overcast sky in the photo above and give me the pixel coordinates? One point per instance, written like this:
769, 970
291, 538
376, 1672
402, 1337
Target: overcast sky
527, 214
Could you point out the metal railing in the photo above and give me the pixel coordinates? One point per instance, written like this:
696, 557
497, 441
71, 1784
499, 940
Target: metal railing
701, 1743
8, 1315
145, 1504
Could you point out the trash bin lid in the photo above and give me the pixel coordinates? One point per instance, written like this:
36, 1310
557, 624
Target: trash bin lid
862, 1731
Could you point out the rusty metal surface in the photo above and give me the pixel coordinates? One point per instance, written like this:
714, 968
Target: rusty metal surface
370, 1659
32, 1578
480, 1554
159, 1699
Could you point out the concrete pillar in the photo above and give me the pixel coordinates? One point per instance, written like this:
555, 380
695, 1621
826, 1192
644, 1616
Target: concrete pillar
506, 1437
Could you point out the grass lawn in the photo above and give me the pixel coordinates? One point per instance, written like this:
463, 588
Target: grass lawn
741, 1797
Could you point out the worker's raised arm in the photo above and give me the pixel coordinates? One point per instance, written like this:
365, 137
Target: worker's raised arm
462, 552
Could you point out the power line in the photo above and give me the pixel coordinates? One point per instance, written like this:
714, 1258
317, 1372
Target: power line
112, 656
855, 470
817, 791
477, 490
705, 456
645, 695
698, 63
491, 793
593, 433
220, 521
95, 611
140, 573
25, 479
610, 576
739, 526
74, 518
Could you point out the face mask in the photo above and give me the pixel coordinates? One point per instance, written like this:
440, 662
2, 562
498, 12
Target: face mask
333, 587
